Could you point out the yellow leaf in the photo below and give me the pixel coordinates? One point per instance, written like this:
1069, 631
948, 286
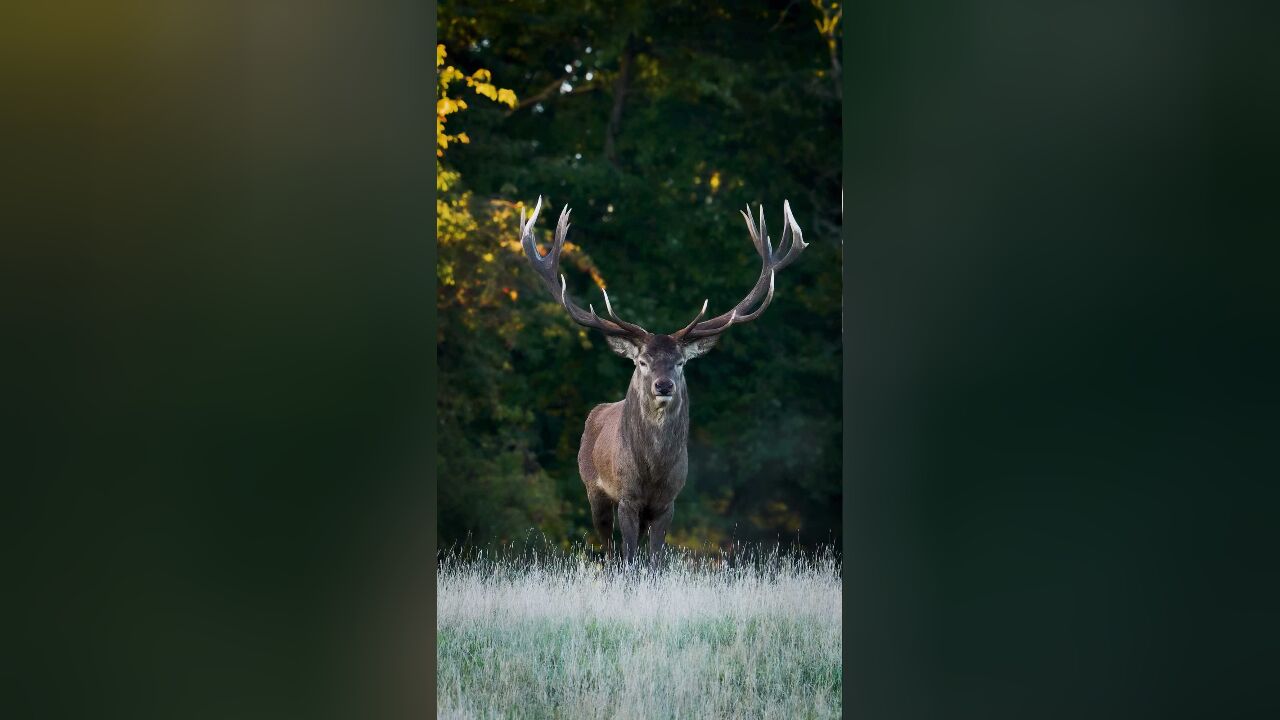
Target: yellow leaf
506, 96
482, 75
440, 53
488, 257
462, 138
715, 181
487, 90
448, 75
444, 106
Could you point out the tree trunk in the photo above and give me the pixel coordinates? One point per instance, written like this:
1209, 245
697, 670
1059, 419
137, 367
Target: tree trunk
620, 86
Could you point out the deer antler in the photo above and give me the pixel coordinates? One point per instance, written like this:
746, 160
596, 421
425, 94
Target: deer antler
771, 263
548, 267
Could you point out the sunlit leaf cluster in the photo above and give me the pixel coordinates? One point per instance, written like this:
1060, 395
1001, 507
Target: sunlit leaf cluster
478, 81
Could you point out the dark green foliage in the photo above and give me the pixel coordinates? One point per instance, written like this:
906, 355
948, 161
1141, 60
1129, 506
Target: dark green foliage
725, 104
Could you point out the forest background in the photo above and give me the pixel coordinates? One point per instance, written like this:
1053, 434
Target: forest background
656, 122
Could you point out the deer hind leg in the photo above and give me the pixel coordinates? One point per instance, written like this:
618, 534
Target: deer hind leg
602, 511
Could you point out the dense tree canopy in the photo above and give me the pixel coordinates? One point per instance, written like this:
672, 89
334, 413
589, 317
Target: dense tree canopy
656, 122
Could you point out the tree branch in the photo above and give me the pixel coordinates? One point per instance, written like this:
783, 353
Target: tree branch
783, 16
541, 95
835, 70
549, 93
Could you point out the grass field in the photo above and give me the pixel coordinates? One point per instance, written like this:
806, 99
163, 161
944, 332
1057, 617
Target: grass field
559, 636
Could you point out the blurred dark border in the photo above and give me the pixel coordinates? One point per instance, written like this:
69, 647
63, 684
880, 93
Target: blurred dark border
218, 267
1060, 322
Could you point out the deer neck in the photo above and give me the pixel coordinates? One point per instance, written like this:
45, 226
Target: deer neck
655, 435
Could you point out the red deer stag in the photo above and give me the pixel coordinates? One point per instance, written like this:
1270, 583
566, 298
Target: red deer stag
634, 456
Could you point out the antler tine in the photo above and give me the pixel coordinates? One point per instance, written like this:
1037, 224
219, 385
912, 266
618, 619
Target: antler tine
764, 236
789, 248
797, 245
562, 230
547, 267
636, 329
526, 236
751, 228
681, 333
532, 218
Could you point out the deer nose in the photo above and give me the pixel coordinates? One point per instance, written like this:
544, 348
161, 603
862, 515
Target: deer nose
664, 386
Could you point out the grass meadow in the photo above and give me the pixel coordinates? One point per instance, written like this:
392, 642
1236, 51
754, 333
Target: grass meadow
558, 635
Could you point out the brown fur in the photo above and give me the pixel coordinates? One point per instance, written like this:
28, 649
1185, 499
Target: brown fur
634, 458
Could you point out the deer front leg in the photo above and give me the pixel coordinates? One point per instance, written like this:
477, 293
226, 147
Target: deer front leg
602, 509
629, 524
658, 534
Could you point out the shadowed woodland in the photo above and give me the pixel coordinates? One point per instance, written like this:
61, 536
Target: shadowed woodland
657, 123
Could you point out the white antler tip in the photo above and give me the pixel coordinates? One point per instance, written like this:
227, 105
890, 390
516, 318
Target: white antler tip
532, 218
795, 226
608, 305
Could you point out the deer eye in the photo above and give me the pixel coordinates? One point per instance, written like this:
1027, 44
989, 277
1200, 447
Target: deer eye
642, 363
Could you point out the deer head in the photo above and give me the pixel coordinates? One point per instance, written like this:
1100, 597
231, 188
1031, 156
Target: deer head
660, 359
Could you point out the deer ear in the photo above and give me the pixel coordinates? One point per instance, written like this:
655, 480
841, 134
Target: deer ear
699, 347
624, 346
